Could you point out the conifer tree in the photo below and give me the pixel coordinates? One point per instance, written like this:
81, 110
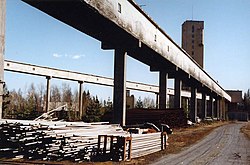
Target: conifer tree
139, 103
6, 101
93, 110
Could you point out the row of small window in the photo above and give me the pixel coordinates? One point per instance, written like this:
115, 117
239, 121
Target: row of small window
192, 39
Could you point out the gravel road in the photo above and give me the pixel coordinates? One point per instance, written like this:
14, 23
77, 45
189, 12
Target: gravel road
225, 145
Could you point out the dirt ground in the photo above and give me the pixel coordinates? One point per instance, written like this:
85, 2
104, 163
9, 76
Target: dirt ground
246, 130
224, 145
181, 138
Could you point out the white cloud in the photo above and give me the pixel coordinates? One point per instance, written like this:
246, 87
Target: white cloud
71, 56
56, 55
77, 56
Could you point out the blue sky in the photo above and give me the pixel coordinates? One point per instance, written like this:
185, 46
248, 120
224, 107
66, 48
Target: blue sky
36, 38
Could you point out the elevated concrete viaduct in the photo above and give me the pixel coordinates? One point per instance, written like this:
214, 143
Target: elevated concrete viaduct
122, 25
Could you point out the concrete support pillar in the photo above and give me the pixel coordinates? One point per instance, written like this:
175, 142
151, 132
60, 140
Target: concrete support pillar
163, 90
203, 106
177, 92
171, 101
211, 106
119, 91
185, 104
2, 50
223, 110
226, 108
193, 104
47, 94
80, 99
219, 107
157, 100
216, 107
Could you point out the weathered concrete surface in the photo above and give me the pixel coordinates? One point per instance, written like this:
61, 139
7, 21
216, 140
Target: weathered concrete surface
162, 90
119, 94
132, 29
2, 49
225, 145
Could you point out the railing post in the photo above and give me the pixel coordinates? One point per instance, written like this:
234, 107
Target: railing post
163, 140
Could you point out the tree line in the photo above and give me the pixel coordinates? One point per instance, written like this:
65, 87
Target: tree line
30, 103
246, 100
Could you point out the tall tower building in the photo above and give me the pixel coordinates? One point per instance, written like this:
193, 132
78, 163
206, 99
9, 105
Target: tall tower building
192, 40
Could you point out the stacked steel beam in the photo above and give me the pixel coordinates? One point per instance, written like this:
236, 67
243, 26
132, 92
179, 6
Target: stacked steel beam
144, 144
73, 141
52, 140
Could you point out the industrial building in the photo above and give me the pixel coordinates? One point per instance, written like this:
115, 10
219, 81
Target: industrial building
236, 110
192, 40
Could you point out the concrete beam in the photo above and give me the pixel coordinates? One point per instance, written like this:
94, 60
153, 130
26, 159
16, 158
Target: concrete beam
19, 67
24, 68
119, 99
2, 50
